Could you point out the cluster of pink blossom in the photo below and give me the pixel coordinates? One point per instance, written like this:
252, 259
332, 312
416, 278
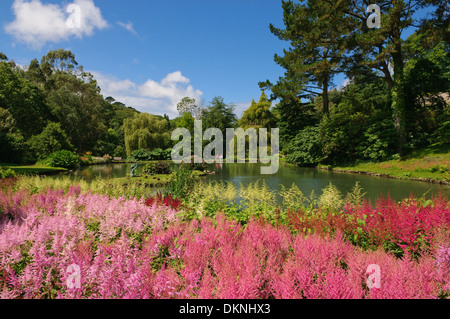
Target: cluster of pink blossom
411, 223
75, 245
42, 235
411, 226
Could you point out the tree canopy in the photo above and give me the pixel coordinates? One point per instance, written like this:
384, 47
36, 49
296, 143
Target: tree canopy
55, 105
366, 119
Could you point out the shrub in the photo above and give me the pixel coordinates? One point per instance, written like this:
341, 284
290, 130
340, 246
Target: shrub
378, 142
120, 152
12, 148
168, 154
52, 139
64, 159
7, 173
180, 186
157, 168
141, 155
305, 148
193, 166
157, 154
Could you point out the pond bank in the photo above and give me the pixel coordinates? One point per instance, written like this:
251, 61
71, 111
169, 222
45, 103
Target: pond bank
368, 173
430, 165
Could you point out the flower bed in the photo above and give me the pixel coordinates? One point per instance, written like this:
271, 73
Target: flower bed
129, 248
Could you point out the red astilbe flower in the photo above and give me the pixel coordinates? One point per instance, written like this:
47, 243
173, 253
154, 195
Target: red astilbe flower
159, 200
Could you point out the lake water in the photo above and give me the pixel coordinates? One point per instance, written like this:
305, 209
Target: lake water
307, 179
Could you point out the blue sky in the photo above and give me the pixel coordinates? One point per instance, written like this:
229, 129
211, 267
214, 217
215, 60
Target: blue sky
150, 54
207, 47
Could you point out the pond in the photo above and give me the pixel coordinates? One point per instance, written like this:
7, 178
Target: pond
307, 179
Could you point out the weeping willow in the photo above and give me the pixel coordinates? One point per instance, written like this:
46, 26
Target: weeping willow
146, 131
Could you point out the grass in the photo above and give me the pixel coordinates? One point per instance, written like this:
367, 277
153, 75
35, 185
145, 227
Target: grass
31, 169
429, 164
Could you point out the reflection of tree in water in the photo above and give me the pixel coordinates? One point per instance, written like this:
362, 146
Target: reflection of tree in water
243, 169
104, 171
307, 179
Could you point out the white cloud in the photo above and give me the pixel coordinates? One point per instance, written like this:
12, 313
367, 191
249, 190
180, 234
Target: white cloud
152, 96
174, 78
127, 26
37, 23
346, 82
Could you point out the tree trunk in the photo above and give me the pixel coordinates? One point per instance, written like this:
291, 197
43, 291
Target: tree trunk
387, 75
326, 109
398, 98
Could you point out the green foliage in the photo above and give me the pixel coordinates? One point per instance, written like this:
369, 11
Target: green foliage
146, 131
187, 105
186, 121
219, 115
161, 155
157, 154
294, 116
293, 198
305, 149
12, 143
258, 115
378, 141
81, 115
360, 127
316, 33
7, 173
181, 184
442, 134
108, 144
64, 159
141, 155
119, 151
12, 147
116, 187
58, 61
52, 139
59, 92
380, 113
157, 168
23, 100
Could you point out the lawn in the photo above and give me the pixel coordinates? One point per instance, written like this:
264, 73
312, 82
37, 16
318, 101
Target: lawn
31, 169
429, 164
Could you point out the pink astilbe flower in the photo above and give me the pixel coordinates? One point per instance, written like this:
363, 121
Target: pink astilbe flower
124, 248
443, 264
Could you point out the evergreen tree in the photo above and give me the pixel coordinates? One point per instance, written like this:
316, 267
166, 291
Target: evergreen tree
258, 115
381, 50
314, 30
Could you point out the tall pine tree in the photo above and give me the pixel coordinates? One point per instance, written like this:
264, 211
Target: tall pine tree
381, 50
315, 31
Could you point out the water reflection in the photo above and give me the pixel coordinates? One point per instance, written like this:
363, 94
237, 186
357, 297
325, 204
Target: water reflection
307, 179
